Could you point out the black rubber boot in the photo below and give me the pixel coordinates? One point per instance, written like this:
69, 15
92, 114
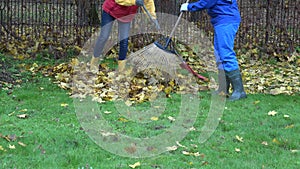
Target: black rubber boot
224, 84
235, 79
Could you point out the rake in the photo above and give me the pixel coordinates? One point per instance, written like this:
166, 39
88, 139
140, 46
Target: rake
167, 50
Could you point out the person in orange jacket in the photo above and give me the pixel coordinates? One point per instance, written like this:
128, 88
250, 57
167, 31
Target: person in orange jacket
123, 11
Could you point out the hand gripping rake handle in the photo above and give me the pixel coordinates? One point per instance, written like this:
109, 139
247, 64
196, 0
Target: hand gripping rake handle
174, 28
184, 65
168, 40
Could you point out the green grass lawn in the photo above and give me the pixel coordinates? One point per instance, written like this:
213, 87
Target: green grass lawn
247, 137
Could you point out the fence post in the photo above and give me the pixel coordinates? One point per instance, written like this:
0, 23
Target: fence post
267, 22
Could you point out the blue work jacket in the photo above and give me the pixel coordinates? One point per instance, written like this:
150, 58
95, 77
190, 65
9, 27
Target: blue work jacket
220, 11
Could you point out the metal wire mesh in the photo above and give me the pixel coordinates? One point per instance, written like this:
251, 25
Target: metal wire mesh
265, 23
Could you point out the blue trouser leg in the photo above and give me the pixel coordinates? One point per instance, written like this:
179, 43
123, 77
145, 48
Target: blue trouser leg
224, 36
106, 26
226, 59
123, 31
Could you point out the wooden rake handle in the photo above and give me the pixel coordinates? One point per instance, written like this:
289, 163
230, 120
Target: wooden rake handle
177, 22
149, 15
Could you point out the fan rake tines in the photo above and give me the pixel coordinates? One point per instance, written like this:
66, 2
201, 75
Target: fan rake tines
152, 57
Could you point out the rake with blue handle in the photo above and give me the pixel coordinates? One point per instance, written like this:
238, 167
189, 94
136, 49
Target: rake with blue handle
168, 48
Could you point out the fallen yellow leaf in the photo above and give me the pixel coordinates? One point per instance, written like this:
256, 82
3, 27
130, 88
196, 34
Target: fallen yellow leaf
11, 113
64, 105
23, 110
77, 48
295, 151
168, 90
11, 137
22, 144
2, 149
106, 134
289, 126
128, 102
180, 145
275, 141
11, 146
22, 116
256, 102
237, 150
186, 153
192, 128
137, 164
172, 148
123, 119
276, 91
172, 119
107, 112
272, 113
197, 154
240, 139
154, 118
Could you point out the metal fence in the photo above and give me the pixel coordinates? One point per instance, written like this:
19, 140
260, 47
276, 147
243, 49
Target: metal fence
53, 19
270, 25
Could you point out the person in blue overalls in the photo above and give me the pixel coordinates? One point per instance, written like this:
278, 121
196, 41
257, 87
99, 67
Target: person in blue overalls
225, 18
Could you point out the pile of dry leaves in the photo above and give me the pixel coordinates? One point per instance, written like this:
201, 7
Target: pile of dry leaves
139, 86
132, 85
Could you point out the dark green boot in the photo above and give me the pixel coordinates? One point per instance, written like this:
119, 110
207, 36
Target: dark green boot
224, 84
235, 79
